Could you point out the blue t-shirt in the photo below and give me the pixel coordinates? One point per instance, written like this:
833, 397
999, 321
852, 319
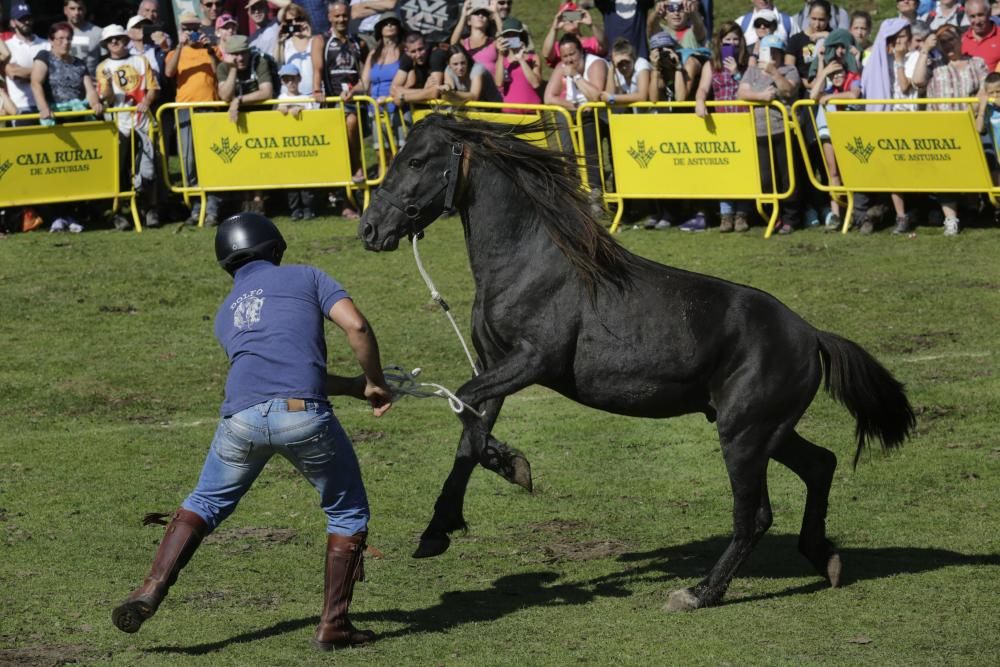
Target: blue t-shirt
626, 18
271, 327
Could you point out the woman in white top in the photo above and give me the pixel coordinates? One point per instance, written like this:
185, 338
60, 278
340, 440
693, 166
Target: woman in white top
294, 43
580, 77
629, 81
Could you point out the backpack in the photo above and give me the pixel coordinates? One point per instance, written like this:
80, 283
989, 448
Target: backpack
272, 65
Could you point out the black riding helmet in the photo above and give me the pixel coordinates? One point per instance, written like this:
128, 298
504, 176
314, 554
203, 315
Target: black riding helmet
244, 237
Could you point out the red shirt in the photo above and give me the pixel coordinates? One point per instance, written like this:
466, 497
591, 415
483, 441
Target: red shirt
987, 48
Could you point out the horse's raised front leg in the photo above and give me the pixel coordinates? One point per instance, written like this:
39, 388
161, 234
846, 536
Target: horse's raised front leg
485, 392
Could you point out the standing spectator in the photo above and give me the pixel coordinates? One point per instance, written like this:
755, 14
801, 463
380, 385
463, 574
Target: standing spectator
483, 24
300, 202
988, 124
626, 18
337, 63
381, 67
316, 11
957, 74
225, 27
765, 82
59, 80
681, 19
721, 77
193, 65
946, 12
504, 8
271, 326
86, 36
804, 47
669, 81
467, 81
295, 44
265, 34
568, 20
784, 26
128, 80
136, 29
23, 47
861, 31
630, 75
421, 73
839, 18
210, 10
982, 39
365, 14
518, 73
907, 10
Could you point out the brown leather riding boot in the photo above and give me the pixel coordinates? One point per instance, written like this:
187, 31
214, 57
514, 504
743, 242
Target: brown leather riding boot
182, 538
344, 567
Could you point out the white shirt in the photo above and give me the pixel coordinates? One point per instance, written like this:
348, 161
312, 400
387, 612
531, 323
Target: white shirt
303, 61
23, 53
632, 86
573, 94
909, 67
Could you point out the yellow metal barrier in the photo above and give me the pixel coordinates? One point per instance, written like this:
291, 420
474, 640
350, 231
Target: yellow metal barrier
887, 151
265, 149
681, 156
68, 162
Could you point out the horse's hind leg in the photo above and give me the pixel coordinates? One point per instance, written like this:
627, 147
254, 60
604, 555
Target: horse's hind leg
815, 465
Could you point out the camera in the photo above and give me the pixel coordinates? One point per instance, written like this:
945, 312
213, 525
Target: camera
289, 29
572, 15
514, 43
195, 36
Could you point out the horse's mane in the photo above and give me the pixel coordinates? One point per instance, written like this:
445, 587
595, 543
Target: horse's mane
550, 181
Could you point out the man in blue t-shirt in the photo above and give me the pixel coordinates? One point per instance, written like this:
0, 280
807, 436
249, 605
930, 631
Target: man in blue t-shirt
271, 327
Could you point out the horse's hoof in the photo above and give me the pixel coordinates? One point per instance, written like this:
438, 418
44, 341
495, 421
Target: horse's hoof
520, 471
432, 546
833, 570
682, 599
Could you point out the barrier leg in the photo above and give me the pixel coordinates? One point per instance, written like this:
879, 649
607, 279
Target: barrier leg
848, 214
618, 214
772, 218
135, 213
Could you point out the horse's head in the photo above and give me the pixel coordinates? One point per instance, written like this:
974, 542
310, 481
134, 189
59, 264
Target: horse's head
419, 187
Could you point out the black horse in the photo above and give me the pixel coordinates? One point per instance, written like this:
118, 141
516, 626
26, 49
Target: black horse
559, 303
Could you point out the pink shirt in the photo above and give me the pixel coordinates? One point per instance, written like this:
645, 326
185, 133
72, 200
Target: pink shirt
516, 88
485, 55
590, 45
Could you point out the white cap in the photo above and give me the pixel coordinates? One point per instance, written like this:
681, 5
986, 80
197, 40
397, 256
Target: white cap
136, 20
113, 30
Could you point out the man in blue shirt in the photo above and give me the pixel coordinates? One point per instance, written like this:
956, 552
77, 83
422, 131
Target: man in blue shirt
271, 327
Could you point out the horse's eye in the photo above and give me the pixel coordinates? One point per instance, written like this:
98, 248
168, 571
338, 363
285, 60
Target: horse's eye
416, 163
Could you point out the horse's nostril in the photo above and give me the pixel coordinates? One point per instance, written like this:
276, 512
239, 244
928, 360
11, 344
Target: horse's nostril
368, 231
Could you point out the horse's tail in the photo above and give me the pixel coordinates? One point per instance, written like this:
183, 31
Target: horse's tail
870, 393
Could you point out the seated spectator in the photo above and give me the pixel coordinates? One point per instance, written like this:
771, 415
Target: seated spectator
24, 45
946, 12
669, 81
467, 81
568, 21
681, 19
765, 82
838, 17
519, 73
804, 47
861, 30
907, 10
956, 74
300, 202
630, 75
835, 76
628, 20
295, 44
781, 24
982, 39
421, 73
59, 80
265, 29
721, 78
483, 24
127, 80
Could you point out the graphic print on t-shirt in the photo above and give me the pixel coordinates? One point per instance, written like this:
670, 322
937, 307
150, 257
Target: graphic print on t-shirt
246, 310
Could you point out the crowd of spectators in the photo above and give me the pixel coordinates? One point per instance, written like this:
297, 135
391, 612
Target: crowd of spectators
612, 51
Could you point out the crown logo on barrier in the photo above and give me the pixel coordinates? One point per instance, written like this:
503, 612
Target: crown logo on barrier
860, 150
227, 151
4, 167
642, 155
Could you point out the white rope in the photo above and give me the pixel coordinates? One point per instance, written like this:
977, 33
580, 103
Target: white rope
404, 383
444, 306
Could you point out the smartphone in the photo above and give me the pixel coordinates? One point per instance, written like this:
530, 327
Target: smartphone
514, 43
765, 54
480, 4
728, 51
195, 37
572, 15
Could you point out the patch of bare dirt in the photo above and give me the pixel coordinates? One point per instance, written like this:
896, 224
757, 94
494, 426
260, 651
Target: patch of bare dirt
556, 526
563, 542
366, 435
44, 655
240, 540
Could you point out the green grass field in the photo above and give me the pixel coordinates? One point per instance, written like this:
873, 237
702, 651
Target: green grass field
111, 382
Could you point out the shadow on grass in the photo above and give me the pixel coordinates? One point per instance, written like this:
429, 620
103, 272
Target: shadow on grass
776, 557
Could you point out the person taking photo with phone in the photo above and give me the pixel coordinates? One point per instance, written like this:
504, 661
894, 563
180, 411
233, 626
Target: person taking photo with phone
570, 20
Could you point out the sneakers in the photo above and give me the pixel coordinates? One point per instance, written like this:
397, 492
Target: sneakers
695, 224
211, 221
812, 218
121, 223
783, 228
725, 223
741, 224
951, 227
58, 225
867, 226
297, 214
308, 213
73, 226
152, 219
902, 225
663, 223
833, 223
650, 222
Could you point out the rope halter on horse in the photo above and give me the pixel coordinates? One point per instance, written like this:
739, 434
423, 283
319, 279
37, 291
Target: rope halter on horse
416, 213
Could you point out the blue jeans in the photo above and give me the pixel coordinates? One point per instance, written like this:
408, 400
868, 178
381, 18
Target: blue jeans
311, 439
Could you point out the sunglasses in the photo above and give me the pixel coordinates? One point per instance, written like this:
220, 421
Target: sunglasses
763, 23
118, 40
675, 7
